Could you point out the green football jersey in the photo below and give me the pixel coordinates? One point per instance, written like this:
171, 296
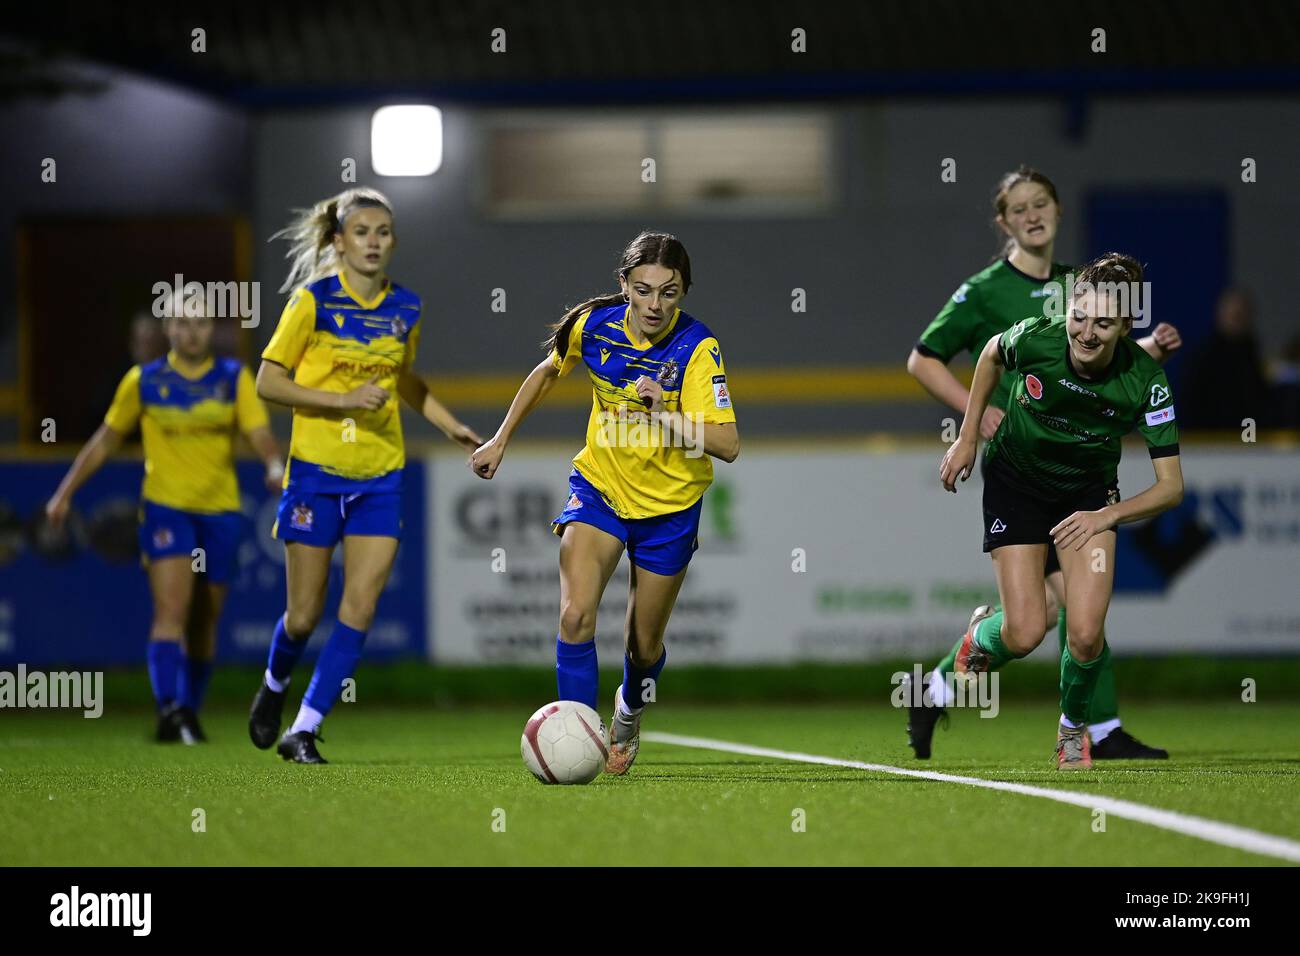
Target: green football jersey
985, 305
1061, 433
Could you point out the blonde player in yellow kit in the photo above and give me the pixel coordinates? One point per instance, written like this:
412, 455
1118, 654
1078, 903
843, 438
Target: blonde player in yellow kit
189, 405
660, 406
341, 357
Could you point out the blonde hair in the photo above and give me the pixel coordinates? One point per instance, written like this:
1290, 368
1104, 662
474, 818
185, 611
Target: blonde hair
311, 252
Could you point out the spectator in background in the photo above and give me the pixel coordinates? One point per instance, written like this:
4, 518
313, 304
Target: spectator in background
1225, 382
1285, 377
147, 339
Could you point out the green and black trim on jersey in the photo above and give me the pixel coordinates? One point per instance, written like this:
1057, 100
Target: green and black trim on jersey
1062, 431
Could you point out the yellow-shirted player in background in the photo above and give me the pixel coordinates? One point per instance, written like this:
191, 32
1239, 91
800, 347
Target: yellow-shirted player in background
639, 483
341, 357
188, 405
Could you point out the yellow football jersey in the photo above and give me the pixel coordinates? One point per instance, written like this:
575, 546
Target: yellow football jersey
333, 340
642, 471
187, 424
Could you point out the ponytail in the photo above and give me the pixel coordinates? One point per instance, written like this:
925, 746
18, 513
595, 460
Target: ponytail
310, 234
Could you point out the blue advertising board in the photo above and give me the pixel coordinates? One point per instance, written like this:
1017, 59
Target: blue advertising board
84, 600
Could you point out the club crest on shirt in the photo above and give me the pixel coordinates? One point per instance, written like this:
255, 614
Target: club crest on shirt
1033, 386
163, 538
399, 328
668, 373
302, 518
219, 392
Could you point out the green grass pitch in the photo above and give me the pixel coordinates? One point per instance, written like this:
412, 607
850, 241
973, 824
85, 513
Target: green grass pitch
423, 786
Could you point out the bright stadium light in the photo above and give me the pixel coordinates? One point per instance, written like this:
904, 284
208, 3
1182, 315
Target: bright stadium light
406, 140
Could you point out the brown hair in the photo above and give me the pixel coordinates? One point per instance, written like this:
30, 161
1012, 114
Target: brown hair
1008, 182
647, 249
1113, 267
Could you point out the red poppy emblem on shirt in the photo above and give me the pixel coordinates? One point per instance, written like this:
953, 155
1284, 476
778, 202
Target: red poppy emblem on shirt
1033, 386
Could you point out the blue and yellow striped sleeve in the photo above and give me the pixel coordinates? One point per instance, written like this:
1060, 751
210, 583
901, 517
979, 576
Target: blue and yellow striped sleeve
297, 322
250, 413
124, 413
573, 353
705, 390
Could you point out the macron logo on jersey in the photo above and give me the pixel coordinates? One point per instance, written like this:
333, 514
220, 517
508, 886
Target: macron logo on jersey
1164, 415
717, 356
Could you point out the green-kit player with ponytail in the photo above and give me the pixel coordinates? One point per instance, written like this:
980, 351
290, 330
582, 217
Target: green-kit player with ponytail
1078, 384
1018, 284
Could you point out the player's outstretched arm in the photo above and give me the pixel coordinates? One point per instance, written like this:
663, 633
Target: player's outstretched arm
275, 385
937, 379
89, 460
485, 461
414, 390
960, 457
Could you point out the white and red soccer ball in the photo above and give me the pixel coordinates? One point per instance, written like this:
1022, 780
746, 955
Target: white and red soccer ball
564, 742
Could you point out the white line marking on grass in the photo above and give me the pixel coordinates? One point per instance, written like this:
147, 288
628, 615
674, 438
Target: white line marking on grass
1225, 834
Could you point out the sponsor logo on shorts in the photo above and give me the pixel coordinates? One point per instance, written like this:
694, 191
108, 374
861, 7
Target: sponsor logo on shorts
1033, 386
721, 397
163, 538
997, 527
301, 518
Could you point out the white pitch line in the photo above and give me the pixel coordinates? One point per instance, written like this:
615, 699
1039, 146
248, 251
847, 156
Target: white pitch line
1225, 834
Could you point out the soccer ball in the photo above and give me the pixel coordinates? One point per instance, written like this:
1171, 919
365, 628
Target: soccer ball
564, 742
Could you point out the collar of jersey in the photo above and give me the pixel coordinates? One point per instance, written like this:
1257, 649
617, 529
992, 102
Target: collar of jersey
1051, 273
648, 345
379, 296
179, 365
1074, 369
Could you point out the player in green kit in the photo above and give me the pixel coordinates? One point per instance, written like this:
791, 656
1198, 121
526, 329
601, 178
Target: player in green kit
1018, 284
1077, 385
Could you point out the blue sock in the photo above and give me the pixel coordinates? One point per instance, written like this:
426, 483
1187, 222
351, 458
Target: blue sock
635, 690
337, 662
576, 671
193, 683
285, 651
164, 663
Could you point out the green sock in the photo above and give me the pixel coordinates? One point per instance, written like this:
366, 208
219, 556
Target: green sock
1078, 682
949, 663
988, 637
1105, 703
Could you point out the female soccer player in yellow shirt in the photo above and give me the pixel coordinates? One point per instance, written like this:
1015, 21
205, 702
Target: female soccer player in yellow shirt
341, 356
188, 405
639, 482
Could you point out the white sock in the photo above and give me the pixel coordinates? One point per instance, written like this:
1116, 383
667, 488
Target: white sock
308, 720
276, 685
621, 709
940, 692
1101, 731
1068, 724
